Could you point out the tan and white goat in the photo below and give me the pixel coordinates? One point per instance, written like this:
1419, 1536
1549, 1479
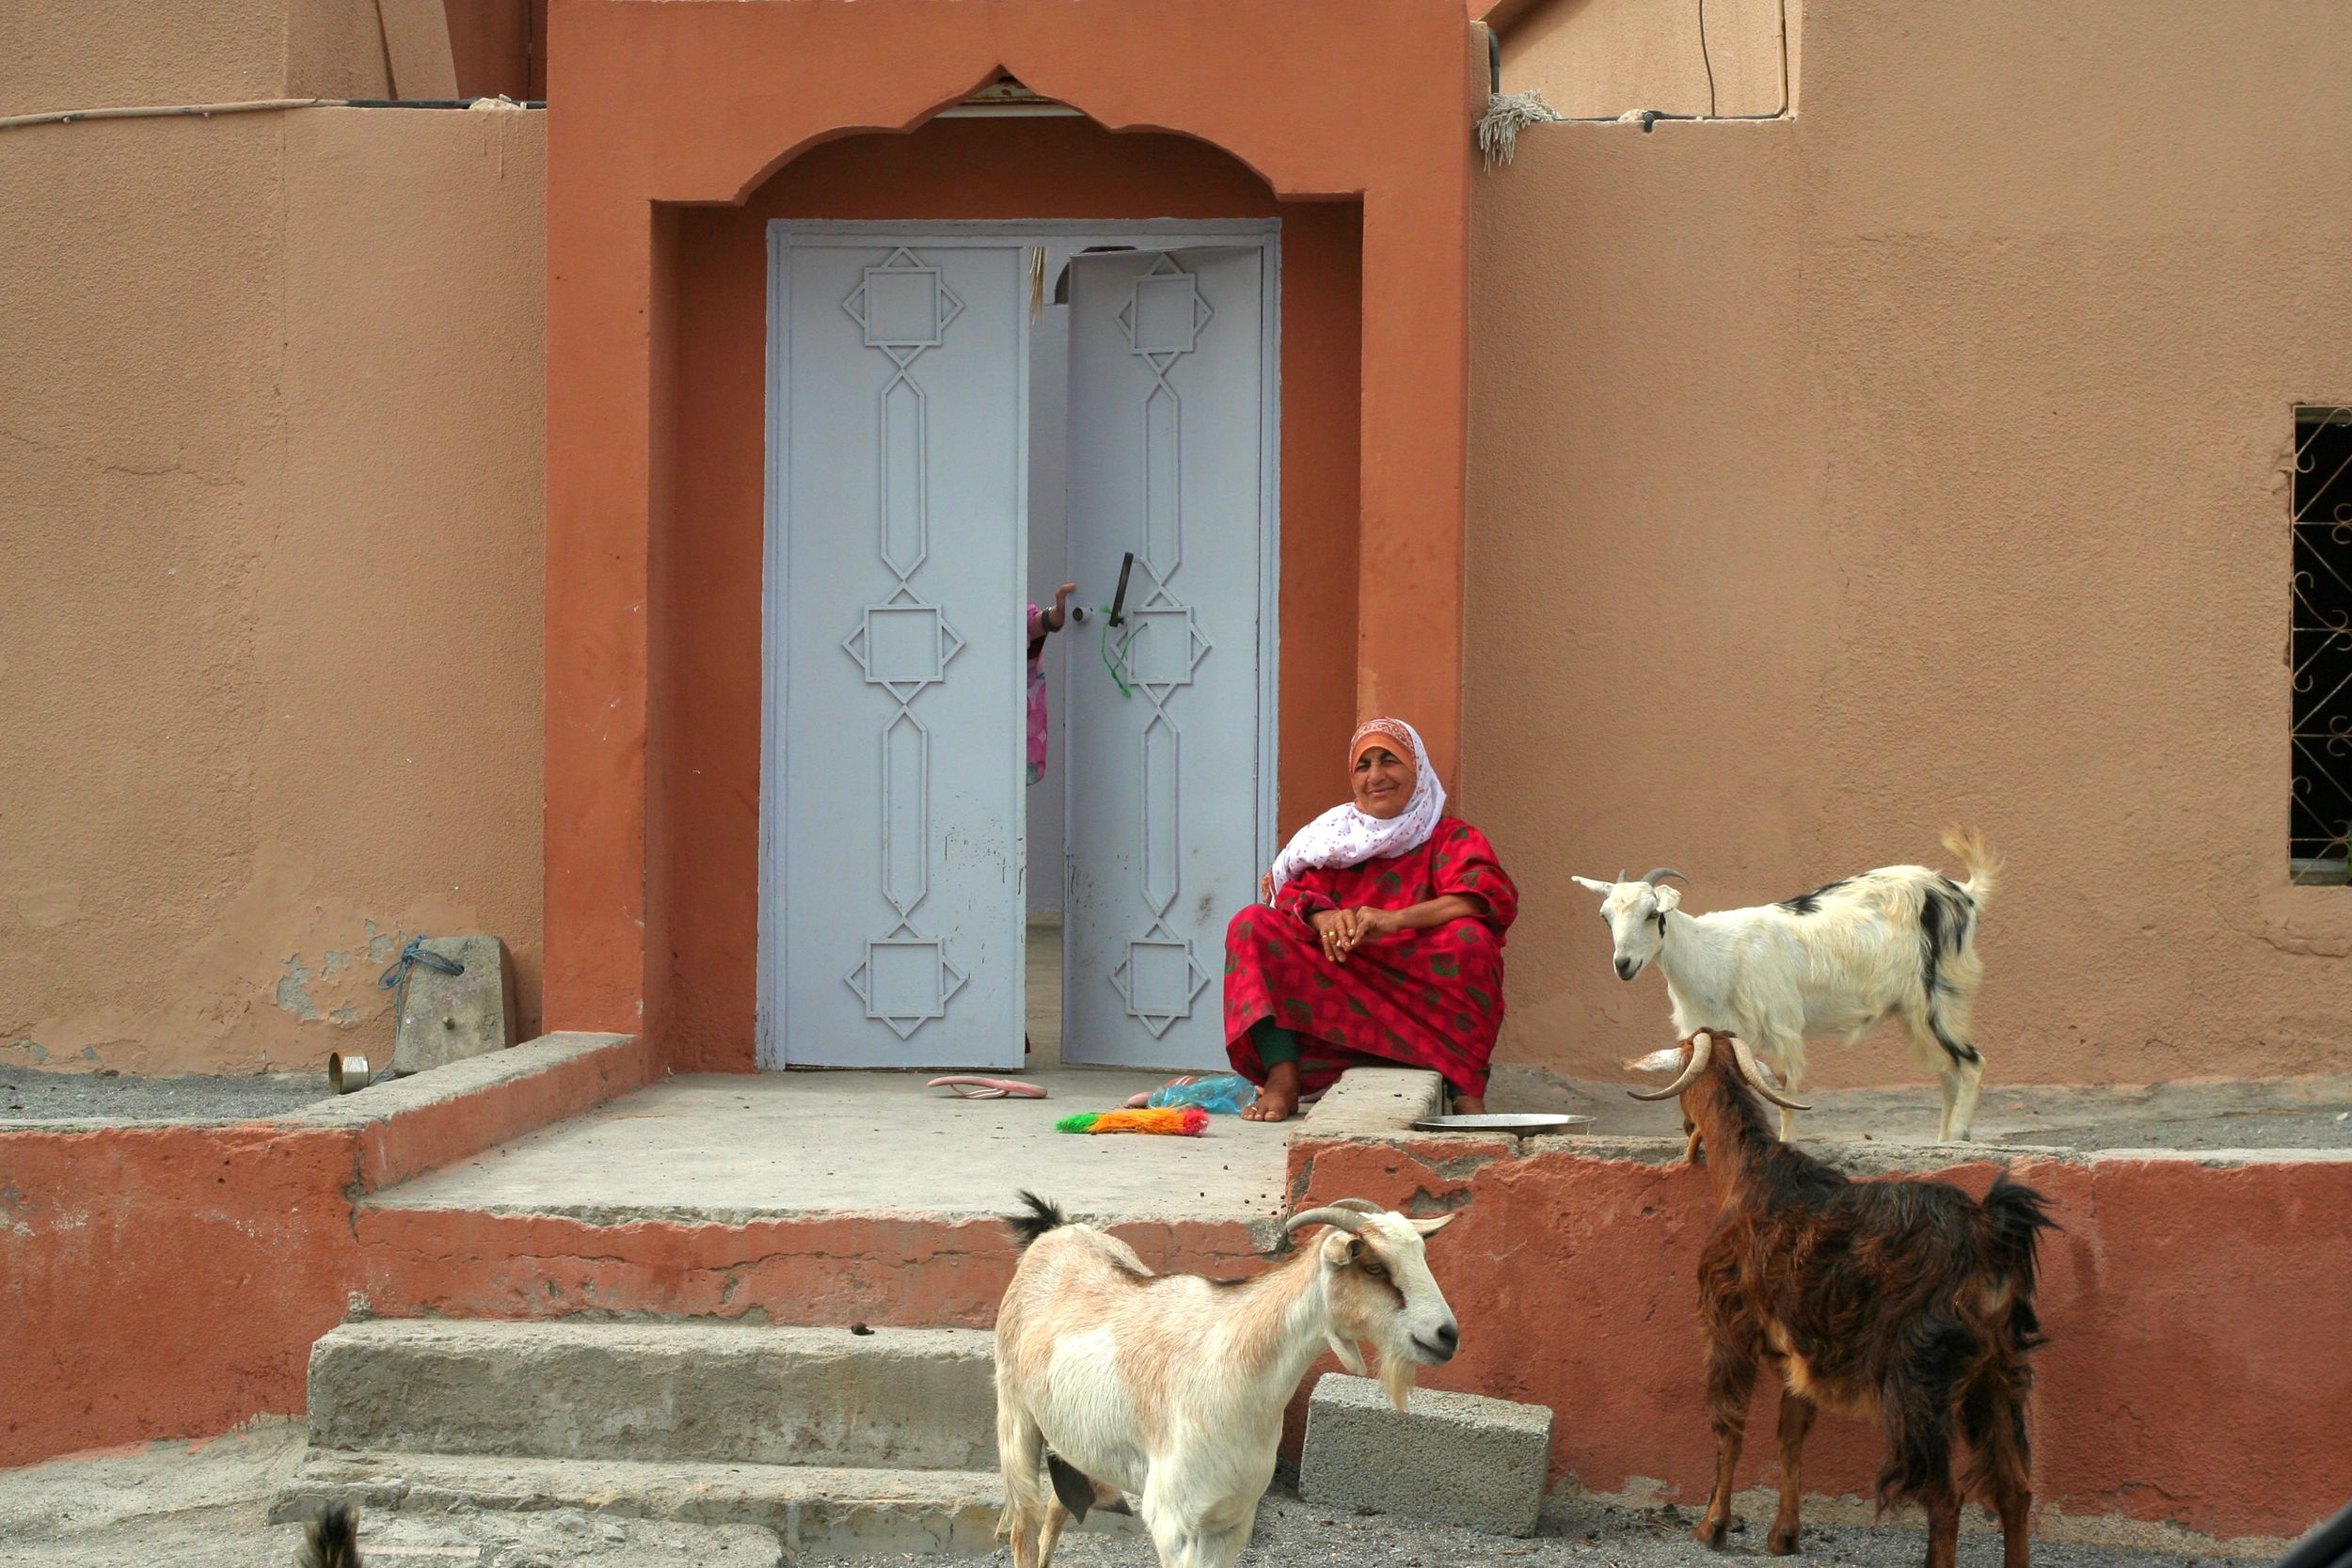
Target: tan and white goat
1172, 1387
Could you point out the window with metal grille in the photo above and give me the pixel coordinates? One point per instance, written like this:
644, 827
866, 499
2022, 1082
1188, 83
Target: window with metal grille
2320, 647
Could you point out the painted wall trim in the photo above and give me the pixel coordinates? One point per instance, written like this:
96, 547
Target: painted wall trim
672, 104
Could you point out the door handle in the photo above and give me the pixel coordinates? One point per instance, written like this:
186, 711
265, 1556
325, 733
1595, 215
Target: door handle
1119, 600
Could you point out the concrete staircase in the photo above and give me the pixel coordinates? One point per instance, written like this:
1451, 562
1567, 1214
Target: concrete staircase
837, 1441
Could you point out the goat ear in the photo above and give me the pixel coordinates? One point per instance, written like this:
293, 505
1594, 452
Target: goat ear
1431, 1227
1340, 1249
1668, 1060
1590, 886
1668, 897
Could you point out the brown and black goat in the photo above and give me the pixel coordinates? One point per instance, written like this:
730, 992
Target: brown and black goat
1901, 1299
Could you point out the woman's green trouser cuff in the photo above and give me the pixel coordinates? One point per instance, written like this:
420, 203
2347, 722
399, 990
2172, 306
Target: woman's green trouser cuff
1275, 1043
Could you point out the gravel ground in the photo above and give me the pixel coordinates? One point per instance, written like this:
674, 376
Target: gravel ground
204, 1505
30, 1094
1291, 1534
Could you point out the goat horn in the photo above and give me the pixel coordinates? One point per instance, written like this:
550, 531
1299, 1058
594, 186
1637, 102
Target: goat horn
1348, 1219
1754, 1074
1361, 1205
1665, 871
1702, 1048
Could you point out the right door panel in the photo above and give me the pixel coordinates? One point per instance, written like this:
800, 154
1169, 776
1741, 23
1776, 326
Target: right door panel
1167, 459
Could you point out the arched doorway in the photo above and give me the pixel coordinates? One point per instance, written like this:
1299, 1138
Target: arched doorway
1168, 819
664, 175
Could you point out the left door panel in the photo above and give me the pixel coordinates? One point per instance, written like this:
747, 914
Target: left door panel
892, 895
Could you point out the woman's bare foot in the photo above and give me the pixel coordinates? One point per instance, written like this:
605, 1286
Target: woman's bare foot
1470, 1104
1279, 1098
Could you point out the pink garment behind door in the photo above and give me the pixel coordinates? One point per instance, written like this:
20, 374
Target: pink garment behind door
1036, 695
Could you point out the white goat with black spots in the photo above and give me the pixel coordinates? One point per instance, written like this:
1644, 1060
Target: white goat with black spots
1836, 962
1111, 1378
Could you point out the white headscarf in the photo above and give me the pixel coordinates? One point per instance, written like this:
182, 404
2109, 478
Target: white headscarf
1344, 836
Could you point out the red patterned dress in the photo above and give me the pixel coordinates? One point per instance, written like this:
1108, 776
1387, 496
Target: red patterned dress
1426, 999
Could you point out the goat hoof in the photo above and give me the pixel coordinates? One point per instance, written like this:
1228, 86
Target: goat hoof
1782, 1543
1710, 1532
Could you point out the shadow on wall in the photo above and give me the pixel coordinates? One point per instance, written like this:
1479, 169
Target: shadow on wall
500, 47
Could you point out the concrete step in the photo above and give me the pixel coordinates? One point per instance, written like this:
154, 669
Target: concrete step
894, 1399
809, 1509
475, 1538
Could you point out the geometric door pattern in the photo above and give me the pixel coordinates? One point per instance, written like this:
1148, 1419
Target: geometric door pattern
902, 642
891, 921
890, 924
1168, 442
1162, 648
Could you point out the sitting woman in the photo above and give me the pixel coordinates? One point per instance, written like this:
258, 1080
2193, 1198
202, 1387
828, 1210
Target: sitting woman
1380, 939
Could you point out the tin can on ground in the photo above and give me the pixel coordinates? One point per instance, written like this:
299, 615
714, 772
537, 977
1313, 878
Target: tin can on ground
346, 1073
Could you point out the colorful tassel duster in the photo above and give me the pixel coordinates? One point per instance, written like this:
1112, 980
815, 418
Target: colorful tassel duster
1178, 1122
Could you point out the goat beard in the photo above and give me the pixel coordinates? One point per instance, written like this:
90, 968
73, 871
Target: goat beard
1396, 1377
1396, 1371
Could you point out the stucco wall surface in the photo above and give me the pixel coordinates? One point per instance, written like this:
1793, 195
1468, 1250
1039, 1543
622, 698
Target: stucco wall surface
2182, 1384
1915, 461
105, 54
269, 576
1607, 56
167, 1281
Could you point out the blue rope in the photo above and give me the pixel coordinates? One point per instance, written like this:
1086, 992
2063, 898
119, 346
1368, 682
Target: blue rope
395, 979
397, 976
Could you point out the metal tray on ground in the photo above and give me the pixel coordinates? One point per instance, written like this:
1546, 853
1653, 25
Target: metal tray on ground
1519, 1124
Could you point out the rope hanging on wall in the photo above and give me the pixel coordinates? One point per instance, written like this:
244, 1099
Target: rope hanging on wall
1508, 113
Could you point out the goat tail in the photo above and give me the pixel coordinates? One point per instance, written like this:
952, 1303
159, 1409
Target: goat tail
1976, 857
2015, 1215
1042, 1216
333, 1539
1994, 1401
1917, 1398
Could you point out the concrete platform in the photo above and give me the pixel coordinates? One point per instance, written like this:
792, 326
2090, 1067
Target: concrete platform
830, 1199
2259, 1114
730, 1149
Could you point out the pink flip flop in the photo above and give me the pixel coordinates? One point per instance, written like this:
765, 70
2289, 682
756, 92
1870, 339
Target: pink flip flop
1140, 1102
969, 1088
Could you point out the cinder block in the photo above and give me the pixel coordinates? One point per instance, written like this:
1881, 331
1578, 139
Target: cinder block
1447, 1459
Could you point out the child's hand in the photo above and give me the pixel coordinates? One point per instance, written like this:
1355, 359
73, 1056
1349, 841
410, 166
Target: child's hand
1061, 604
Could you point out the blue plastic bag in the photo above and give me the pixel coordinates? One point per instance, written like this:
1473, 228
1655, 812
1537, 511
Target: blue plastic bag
1221, 1094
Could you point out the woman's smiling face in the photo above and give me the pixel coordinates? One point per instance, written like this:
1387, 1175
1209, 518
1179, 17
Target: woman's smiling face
1383, 783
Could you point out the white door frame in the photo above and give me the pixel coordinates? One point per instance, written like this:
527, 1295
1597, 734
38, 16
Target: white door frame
1265, 234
